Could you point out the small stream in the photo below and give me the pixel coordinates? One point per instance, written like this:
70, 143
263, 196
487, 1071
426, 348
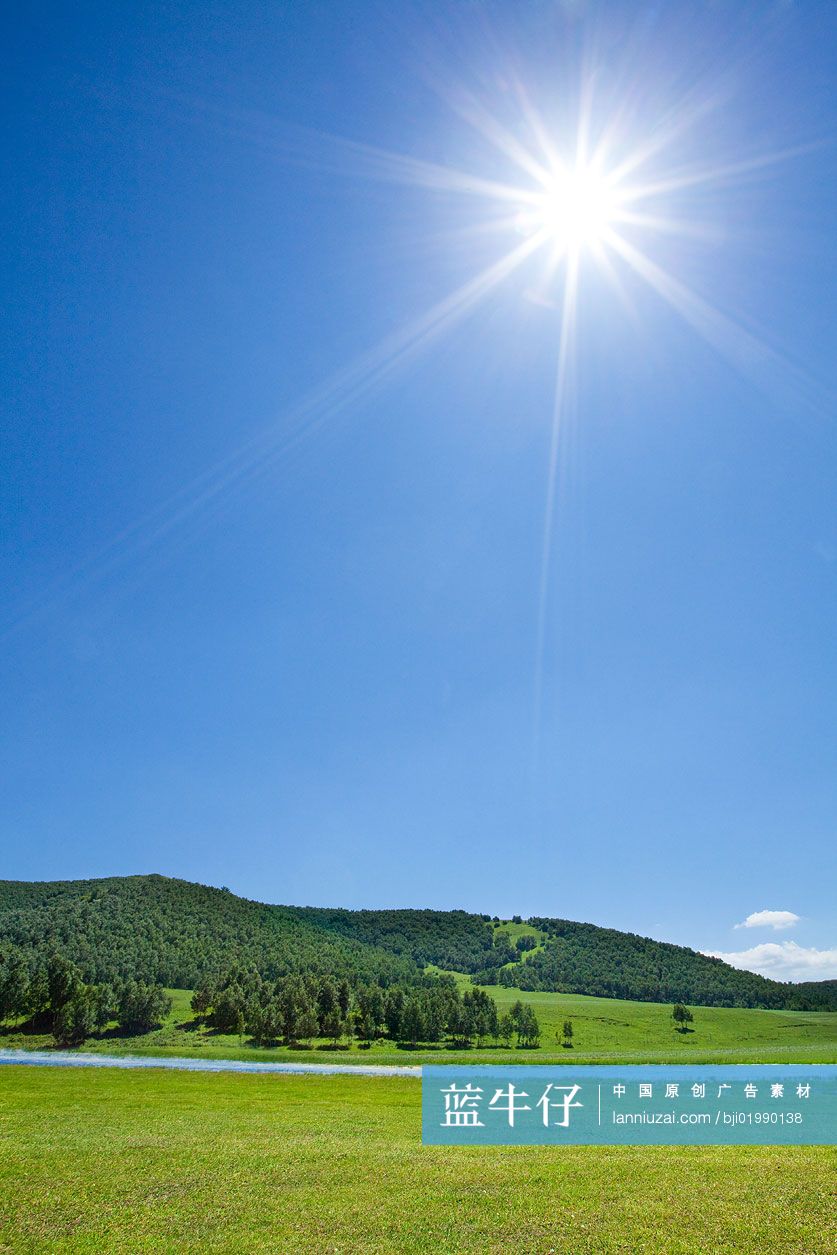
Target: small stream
74, 1059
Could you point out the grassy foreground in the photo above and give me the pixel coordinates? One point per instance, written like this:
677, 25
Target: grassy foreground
115, 1161
607, 1030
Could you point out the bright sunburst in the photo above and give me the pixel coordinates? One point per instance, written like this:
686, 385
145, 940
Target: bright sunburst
608, 196
604, 192
576, 209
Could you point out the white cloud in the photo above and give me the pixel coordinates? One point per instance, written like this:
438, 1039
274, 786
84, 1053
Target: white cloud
783, 960
770, 919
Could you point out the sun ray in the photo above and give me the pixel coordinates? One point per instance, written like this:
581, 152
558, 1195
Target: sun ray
544, 140
330, 153
716, 174
751, 356
389, 166
726, 336
561, 400
504, 141
666, 225
677, 122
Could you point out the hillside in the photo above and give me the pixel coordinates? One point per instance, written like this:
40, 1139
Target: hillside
176, 933
568, 957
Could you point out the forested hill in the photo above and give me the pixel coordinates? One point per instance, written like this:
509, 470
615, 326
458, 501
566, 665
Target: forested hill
176, 933
568, 957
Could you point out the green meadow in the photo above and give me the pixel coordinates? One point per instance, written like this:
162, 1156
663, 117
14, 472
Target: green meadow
156, 1161
605, 1030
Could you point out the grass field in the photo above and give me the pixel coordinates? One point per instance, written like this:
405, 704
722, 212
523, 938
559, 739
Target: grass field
606, 1030
156, 1161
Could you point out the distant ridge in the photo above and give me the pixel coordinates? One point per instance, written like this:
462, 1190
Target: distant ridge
175, 933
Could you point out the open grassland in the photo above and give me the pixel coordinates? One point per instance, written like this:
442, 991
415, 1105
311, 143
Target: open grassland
606, 1030
131, 1162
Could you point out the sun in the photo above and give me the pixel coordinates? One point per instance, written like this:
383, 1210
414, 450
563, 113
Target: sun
576, 209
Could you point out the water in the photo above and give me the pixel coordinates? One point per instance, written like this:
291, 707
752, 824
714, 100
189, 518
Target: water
72, 1059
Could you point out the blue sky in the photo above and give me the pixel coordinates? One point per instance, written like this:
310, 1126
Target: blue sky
284, 604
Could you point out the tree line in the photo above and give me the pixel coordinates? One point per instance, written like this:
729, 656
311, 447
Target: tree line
51, 995
296, 1009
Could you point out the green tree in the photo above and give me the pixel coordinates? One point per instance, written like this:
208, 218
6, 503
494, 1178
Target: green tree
77, 1016
367, 1028
682, 1017
344, 997
308, 1023
227, 1007
478, 1016
328, 1006
505, 1029
393, 1012
433, 1009
238, 1027
63, 981
14, 984
370, 1001
201, 1001
333, 1025
293, 999
460, 1020
106, 1005
264, 1020
528, 1028
140, 1007
412, 1021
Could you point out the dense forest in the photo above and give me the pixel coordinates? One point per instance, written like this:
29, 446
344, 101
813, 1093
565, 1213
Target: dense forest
156, 931
454, 940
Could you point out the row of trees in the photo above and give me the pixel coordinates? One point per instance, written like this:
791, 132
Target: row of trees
295, 1009
53, 997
